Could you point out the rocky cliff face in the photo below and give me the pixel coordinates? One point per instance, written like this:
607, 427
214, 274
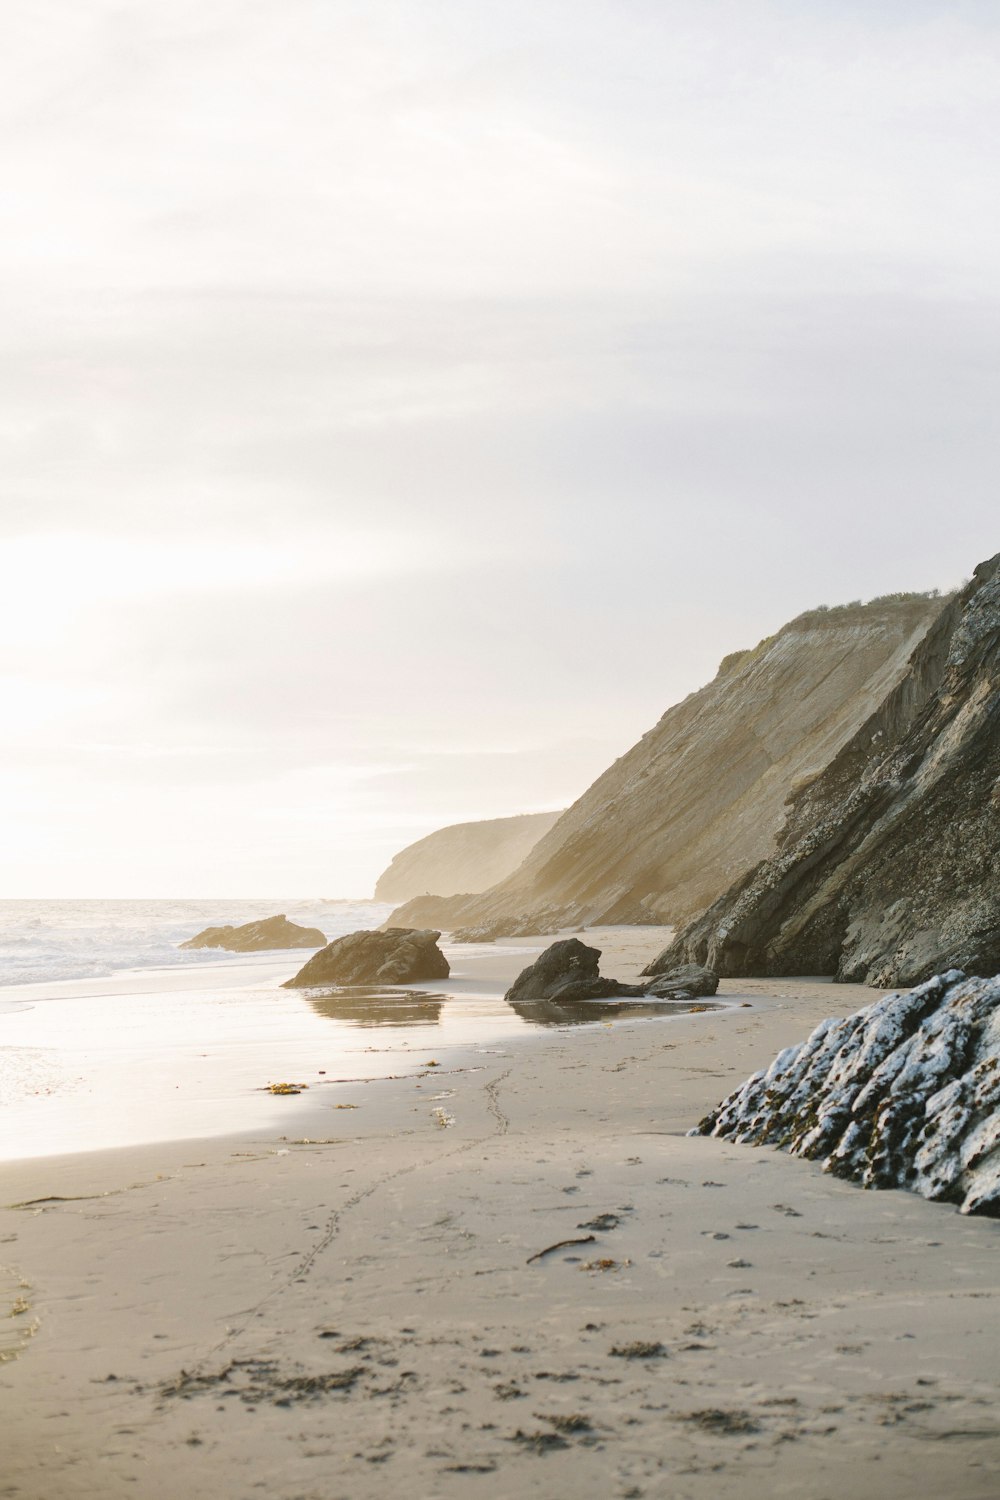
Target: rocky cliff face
887, 867
700, 799
467, 857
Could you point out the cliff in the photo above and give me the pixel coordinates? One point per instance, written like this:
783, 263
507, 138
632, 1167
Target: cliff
700, 799
886, 871
466, 857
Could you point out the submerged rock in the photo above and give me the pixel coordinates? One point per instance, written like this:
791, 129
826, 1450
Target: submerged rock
401, 955
567, 971
681, 980
904, 1094
257, 937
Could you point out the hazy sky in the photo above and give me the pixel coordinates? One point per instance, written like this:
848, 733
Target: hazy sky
403, 402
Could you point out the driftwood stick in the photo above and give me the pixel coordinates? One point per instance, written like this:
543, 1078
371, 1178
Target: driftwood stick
588, 1239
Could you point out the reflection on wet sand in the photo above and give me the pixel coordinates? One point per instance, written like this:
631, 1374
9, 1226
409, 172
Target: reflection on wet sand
370, 1005
586, 1012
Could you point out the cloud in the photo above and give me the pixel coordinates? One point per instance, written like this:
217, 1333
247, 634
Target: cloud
444, 390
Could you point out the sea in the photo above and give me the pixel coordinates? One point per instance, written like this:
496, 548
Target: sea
43, 941
112, 1035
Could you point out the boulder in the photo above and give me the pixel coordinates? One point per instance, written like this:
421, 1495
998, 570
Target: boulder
904, 1094
401, 955
683, 981
258, 937
567, 970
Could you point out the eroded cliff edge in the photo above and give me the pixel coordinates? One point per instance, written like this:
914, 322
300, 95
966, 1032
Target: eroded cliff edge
700, 799
887, 867
463, 857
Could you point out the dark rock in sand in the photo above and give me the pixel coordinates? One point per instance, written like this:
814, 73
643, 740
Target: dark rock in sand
402, 955
904, 1094
680, 980
567, 971
258, 937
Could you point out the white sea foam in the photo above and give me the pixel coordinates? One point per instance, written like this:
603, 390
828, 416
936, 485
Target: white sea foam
42, 941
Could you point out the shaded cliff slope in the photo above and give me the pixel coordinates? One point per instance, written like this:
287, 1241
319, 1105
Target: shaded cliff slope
699, 800
464, 857
887, 868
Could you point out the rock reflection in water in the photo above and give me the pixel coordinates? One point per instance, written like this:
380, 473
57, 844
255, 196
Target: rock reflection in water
586, 1012
370, 1005
377, 1005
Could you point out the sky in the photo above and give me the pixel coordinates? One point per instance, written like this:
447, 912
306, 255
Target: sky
403, 402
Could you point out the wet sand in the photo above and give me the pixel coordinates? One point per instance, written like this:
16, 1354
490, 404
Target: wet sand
379, 1296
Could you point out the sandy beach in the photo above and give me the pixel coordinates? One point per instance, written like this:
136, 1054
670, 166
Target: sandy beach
375, 1292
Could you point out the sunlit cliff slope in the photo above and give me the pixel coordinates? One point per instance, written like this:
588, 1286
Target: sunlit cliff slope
887, 869
699, 800
464, 857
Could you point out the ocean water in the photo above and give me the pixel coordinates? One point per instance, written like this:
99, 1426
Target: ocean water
41, 941
111, 1035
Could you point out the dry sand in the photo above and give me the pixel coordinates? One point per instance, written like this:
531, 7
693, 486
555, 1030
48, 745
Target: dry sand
357, 1302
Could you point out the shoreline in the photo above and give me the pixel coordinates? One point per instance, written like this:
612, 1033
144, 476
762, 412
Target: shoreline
181, 1053
383, 1306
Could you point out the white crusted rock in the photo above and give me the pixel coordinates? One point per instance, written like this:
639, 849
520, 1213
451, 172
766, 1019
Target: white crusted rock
904, 1094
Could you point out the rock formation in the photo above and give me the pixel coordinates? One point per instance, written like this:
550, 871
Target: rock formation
398, 956
488, 932
467, 857
699, 800
453, 912
887, 867
258, 937
446, 912
904, 1094
566, 971
686, 981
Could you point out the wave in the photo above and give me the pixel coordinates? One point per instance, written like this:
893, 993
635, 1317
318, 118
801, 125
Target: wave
45, 941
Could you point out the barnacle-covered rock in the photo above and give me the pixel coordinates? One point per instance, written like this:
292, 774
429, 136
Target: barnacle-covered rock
904, 1094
